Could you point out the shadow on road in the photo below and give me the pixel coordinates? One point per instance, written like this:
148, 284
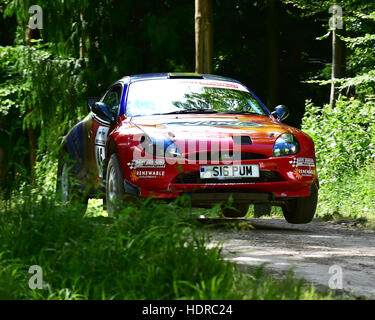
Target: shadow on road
249, 224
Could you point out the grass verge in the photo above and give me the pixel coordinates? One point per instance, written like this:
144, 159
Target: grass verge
151, 251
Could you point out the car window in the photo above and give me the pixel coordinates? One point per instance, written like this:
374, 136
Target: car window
113, 99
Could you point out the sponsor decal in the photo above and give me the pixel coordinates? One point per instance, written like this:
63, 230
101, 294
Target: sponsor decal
220, 84
100, 141
146, 163
303, 167
302, 162
148, 174
101, 136
133, 176
299, 173
216, 123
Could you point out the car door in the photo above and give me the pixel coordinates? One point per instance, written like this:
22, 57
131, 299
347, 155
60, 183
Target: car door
100, 127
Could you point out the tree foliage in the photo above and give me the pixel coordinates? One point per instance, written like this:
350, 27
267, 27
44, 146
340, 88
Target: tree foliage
359, 22
44, 86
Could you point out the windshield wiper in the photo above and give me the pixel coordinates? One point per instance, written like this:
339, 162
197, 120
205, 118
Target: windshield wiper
192, 111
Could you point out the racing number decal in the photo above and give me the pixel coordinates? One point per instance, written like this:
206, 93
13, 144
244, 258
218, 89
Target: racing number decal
100, 141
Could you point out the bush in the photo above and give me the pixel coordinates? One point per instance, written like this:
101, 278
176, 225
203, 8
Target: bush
344, 137
353, 196
345, 143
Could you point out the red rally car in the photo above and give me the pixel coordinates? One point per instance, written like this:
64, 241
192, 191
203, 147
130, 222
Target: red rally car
205, 136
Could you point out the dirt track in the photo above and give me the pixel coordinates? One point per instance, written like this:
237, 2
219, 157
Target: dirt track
311, 249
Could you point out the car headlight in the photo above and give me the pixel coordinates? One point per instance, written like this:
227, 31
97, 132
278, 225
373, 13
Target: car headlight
285, 145
160, 147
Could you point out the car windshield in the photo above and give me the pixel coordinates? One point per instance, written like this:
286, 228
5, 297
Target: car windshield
168, 96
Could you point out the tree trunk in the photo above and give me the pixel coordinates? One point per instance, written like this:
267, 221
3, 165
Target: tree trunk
273, 56
82, 39
32, 34
3, 171
338, 63
32, 150
203, 36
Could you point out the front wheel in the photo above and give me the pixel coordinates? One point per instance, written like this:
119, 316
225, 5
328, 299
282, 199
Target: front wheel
115, 190
302, 210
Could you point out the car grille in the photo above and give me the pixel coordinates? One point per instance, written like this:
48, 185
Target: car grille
194, 178
224, 156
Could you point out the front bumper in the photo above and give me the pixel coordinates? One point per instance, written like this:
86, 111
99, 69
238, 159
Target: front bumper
281, 177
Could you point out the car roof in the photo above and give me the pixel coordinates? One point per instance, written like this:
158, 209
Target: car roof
174, 75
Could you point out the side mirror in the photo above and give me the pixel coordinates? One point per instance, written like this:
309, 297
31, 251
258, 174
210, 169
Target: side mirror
281, 112
90, 102
100, 109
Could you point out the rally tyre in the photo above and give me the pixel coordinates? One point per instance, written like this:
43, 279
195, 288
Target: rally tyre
115, 190
68, 191
237, 210
302, 210
262, 210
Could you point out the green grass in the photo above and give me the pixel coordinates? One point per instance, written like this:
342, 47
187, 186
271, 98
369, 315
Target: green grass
151, 251
351, 196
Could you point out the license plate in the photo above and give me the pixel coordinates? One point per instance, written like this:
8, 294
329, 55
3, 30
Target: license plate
230, 171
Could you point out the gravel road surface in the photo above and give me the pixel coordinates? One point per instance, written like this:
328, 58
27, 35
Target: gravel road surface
318, 251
